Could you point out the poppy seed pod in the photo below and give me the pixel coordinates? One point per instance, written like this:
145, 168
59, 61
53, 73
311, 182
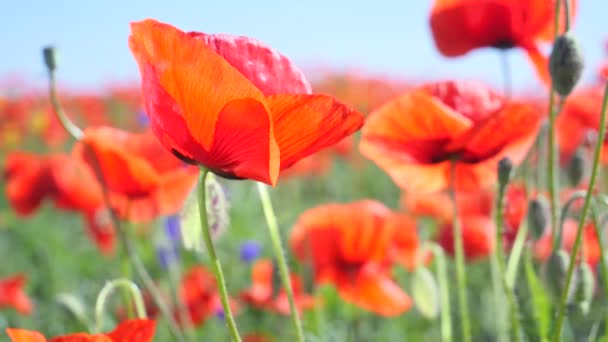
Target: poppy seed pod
505, 167
425, 293
555, 273
565, 64
537, 217
576, 168
49, 58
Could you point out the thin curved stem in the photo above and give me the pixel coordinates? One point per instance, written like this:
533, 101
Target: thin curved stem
105, 292
460, 263
273, 229
67, 124
579, 233
217, 266
500, 260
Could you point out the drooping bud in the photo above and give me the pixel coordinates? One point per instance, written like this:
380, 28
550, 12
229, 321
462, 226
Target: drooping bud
49, 58
565, 64
505, 167
537, 217
555, 273
585, 284
425, 293
576, 168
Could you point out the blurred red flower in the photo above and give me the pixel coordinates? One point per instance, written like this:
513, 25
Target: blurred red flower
440, 207
31, 178
12, 295
354, 246
477, 237
415, 137
264, 294
143, 179
460, 26
232, 104
140, 330
199, 293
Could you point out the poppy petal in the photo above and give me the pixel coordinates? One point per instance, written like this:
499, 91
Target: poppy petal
20, 335
141, 330
189, 72
81, 337
305, 124
374, 290
266, 68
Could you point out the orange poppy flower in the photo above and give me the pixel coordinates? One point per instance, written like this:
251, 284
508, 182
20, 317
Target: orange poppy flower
232, 104
590, 245
264, 295
416, 136
200, 295
477, 237
140, 330
352, 247
257, 337
12, 295
459, 26
31, 178
144, 180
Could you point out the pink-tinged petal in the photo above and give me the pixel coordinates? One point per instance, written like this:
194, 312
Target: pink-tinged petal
266, 68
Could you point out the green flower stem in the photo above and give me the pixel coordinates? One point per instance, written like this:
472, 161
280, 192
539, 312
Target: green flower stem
217, 267
461, 278
579, 233
500, 260
67, 124
273, 229
603, 263
444, 293
105, 292
516, 253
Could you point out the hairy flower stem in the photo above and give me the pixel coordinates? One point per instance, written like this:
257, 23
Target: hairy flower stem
273, 229
500, 260
444, 293
105, 292
460, 263
557, 332
217, 266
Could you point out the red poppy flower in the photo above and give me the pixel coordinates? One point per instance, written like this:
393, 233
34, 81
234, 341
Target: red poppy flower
231, 103
264, 295
439, 205
477, 237
352, 247
417, 136
141, 330
460, 26
12, 295
144, 180
31, 178
257, 337
590, 245
200, 295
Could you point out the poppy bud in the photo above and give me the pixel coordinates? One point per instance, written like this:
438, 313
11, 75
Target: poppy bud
565, 64
585, 284
425, 292
555, 273
537, 217
505, 166
49, 58
576, 169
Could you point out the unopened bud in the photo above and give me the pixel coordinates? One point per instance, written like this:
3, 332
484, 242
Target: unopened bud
555, 273
576, 169
537, 217
585, 284
425, 293
505, 166
565, 64
49, 58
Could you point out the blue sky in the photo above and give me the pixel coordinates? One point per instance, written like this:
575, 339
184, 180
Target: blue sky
390, 38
